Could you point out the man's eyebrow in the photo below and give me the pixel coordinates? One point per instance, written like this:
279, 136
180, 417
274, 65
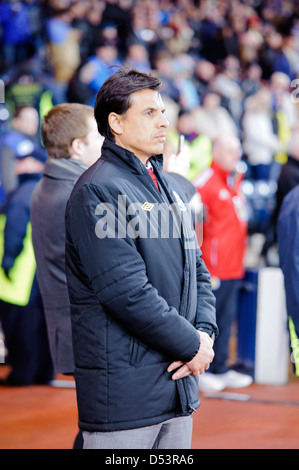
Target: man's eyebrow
150, 108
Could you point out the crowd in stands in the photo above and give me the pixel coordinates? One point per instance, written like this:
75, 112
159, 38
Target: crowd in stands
227, 66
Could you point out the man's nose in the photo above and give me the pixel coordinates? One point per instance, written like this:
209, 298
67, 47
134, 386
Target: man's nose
163, 121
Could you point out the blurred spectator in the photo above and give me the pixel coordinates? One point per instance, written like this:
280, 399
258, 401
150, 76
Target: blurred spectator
288, 58
270, 50
285, 113
86, 20
63, 44
21, 141
183, 67
145, 26
180, 34
29, 84
90, 76
22, 315
177, 165
227, 84
163, 65
16, 31
251, 82
119, 13
137, 58
259, 140
37, 17
94, 16
251, 42
223, 249
212, 119
203, 74
211, 46
199, 144
176, 160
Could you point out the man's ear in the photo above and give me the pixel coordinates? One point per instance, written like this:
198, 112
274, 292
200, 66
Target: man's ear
115, 123
76, 147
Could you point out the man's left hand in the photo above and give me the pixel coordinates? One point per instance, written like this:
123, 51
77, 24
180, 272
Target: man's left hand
199, 364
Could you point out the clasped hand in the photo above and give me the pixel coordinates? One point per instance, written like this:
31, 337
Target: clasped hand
199, 364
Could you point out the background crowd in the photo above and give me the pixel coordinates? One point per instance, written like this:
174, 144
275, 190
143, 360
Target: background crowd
227, 67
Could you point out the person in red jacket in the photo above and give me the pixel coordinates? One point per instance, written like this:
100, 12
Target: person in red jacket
223, 249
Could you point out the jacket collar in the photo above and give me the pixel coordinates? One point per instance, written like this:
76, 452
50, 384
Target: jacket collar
64, 168
119, 155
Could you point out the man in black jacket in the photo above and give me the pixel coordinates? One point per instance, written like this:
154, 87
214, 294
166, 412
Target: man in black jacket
142, 309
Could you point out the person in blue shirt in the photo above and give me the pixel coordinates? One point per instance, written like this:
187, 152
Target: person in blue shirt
22, 140
100, 66
16, 31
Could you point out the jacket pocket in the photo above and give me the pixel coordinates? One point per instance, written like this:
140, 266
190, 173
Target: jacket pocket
188, 389
137, 351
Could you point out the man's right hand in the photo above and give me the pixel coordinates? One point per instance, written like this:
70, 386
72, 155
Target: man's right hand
199, 364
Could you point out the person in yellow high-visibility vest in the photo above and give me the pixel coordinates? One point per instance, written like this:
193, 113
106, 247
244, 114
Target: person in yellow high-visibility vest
21, 309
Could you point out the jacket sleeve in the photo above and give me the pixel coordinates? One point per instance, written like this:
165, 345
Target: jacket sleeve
116, 273
206, 311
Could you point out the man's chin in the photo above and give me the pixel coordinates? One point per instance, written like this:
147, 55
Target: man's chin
159, 148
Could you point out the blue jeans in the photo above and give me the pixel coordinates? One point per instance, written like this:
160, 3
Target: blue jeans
175, 433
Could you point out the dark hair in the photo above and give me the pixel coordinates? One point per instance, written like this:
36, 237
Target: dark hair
114, 95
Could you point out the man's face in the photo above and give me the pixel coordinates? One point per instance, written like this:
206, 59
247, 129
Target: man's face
27, 121
232, 156
228, 153
142, 129
91, 146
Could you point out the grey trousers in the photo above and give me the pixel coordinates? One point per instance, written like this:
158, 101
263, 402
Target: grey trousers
175, 433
